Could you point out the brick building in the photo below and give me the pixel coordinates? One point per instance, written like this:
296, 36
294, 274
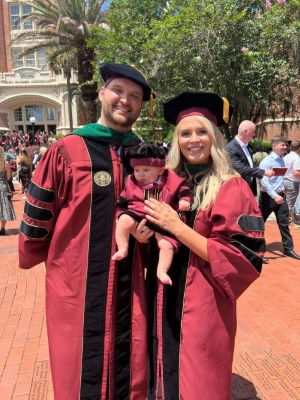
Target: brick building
27, 87
287, 120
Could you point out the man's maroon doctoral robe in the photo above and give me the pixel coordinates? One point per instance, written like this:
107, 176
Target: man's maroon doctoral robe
95, 308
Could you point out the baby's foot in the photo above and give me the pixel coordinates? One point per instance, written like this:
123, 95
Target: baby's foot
119, 255
164, 278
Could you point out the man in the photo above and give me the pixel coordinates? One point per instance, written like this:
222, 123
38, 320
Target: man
272, 198
95, 307
292, 177
241, 155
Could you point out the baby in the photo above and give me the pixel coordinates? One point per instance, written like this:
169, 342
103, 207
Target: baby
150, 179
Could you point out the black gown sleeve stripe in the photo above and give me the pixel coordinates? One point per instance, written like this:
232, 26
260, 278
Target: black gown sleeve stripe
41, 194
183, 193
38, 213
251, 223
255, 260
258, 245
33, 232
122, 202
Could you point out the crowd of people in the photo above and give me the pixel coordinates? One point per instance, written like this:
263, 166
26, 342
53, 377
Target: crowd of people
116, 331
17, 163
15, 139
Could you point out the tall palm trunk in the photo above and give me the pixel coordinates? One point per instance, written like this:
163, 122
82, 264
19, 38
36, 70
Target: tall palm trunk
88, 88
70, 112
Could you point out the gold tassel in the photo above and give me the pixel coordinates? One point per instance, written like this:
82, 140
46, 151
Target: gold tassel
225, 110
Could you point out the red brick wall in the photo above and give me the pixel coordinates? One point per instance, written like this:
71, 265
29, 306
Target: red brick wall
290, 130
5, 51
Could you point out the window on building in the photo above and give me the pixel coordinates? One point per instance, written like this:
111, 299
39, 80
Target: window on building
14, 10
17, 11
37, 59
18, 114
34, 111
26, 10
30, 60
50, 114
41, 59
17, 62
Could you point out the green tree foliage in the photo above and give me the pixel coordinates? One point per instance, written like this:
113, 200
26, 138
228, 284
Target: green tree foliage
234, 47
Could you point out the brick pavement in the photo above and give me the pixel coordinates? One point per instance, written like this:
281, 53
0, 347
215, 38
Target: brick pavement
267, 357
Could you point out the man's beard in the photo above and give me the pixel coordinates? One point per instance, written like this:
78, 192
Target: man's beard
124, 122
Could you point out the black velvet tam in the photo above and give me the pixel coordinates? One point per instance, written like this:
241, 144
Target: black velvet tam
208, 104
146, 150
108, 71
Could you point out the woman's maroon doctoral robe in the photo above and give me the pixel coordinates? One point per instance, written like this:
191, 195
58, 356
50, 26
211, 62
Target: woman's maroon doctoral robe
95, 308
194, 320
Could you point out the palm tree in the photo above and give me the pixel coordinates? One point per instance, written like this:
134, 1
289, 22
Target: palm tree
61, 26
64, 63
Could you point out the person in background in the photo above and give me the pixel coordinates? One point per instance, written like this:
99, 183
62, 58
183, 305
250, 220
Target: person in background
297, 210
11, 158
194, 320
38, 155
272, 196
291, 179
241, 155
24, 169
7, 212
95, 306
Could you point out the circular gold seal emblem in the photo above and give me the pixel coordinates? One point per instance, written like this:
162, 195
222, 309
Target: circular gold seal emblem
102, 178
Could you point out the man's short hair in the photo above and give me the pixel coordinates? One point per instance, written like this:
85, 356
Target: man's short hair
295, 146
276, 139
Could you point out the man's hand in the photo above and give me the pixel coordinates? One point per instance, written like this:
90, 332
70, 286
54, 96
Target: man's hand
142, 233
279, 200
269, 173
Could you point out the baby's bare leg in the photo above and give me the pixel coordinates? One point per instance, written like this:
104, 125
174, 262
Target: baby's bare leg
125, 225
166, 252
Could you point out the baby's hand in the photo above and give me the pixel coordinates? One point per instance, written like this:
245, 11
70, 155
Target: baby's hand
184, 205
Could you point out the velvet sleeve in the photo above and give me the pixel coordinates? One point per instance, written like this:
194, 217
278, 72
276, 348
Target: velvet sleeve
122, 202
236, 243
184, 193
47, 194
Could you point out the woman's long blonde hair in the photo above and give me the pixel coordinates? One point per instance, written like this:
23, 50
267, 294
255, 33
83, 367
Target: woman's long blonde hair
24, 157
220, 168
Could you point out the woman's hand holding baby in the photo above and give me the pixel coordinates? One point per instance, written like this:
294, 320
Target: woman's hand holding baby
163, 215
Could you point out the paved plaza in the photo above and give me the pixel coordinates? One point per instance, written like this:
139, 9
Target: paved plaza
267, 357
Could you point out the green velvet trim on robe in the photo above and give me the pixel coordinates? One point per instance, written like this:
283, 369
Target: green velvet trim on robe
104, 134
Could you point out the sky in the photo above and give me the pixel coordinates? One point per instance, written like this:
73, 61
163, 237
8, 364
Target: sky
106, 5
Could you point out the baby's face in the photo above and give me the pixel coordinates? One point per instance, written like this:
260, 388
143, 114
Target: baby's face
147, 173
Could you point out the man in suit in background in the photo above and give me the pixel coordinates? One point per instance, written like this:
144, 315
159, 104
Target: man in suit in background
241, 155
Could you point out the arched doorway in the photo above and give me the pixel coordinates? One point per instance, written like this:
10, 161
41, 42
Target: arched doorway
19, 109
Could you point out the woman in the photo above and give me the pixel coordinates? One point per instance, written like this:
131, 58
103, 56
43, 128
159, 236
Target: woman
6, 208
222, 244
25, 169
